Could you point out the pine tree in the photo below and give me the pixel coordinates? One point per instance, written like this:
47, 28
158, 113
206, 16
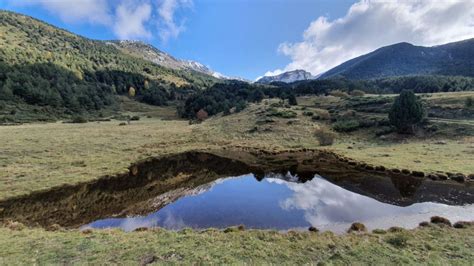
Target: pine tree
406, 112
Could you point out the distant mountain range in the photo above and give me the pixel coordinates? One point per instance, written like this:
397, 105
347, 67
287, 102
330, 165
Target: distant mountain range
150, 53
287, 77
404, 59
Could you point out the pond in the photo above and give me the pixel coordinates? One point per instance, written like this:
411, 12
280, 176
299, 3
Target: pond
283, 202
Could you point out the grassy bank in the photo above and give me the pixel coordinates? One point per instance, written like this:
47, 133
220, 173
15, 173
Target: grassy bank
428, 245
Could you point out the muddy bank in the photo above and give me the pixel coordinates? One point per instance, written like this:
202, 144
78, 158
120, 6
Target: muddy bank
144, 188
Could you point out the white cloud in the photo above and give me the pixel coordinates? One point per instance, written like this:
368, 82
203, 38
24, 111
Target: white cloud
168, 28
370, 24
129, 19
75, 11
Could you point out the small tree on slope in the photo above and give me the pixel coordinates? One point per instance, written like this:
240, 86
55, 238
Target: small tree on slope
406, 112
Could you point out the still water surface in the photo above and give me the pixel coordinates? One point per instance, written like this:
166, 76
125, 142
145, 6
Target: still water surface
281, 202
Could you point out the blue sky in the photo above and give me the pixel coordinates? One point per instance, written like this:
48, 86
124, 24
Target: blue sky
250, 38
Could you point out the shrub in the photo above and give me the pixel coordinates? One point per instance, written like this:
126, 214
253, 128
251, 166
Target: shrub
357, 93
281, 113
325, 136
292, 99
321, 114
406, 112
308, 113
135, 118
398, 240
469, 102
202, 115
346, 125
79, 119
338, 93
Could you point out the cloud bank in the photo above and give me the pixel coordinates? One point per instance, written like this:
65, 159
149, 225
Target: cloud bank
370, 24
128, 19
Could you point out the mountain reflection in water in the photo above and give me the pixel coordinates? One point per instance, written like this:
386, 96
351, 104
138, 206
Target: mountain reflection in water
281, 202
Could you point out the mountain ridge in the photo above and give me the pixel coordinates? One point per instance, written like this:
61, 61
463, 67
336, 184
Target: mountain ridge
403, 59
287, 77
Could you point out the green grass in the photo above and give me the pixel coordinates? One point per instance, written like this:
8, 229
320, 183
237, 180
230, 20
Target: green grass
431, 245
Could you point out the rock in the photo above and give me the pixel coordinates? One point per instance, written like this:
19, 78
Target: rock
380, 168
459, 178
433, 177
440, 220
395, 170
470, 177
357, 227
424, 224
442, 177
352, 163
313, 229
349, 147
406, 171
462, 224
418, 173
440, 142
369, 167
148, 259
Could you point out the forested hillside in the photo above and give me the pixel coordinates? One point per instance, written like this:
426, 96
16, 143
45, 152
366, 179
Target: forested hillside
46, 66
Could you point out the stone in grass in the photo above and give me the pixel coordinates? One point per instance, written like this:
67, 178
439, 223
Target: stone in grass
424, 224
462, 224
148, 259
313, 229
357, 227
440, 220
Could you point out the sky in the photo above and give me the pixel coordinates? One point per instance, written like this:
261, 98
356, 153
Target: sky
252, 38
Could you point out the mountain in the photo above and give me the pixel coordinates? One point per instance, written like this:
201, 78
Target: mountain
403, 59
150, 53
287, 77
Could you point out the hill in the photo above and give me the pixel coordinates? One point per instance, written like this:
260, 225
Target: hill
402, 59
45, 66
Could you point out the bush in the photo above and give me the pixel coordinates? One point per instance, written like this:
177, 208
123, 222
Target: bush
469, 102
357, 93
135, 118
406, 112
201, 115
281, 113
79, 119
308, 113
399, 240
346, 125
321, 114
338, 93
325, 136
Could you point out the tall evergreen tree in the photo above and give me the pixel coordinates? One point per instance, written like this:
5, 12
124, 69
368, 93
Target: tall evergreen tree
406, 112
